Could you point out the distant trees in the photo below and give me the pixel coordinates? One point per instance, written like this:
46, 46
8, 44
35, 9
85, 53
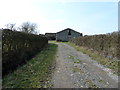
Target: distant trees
10, 26
28, 27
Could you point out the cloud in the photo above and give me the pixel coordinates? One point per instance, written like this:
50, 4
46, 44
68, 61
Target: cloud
14, 11
47, 25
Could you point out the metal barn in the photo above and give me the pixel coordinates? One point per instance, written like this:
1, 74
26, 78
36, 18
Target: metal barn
67, 34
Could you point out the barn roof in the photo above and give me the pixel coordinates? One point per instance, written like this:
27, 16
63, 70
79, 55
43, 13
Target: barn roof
68, 29
50, 33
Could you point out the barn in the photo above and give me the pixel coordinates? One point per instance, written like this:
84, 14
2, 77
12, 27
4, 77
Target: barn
67, 34
50, 36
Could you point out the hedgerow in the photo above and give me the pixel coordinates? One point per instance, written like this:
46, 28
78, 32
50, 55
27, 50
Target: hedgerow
106, 44
18, 47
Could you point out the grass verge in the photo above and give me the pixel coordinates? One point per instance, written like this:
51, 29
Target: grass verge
109, 63
35, 73
52, 41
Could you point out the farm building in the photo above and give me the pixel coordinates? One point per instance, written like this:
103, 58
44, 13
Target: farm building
51, 36
67, 34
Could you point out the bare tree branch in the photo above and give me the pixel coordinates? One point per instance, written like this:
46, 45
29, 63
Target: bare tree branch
10, 26
29, 27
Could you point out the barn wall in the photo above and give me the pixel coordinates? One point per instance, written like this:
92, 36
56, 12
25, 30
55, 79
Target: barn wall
75, 34
63, 35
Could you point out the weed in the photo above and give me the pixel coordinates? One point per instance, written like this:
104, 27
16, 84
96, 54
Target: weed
75, 69
74, 59
91, 84
71, 57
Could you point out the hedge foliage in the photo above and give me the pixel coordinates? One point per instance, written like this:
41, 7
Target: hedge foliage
17, 47
106, 44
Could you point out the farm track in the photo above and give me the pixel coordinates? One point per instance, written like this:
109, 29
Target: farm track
77, 70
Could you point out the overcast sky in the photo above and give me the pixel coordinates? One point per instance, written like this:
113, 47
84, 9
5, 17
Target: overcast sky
52, 16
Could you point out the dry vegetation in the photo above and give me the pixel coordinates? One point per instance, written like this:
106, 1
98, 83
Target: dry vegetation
107, 45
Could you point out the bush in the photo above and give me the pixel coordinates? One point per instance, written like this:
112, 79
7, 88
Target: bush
17, 47
106, 44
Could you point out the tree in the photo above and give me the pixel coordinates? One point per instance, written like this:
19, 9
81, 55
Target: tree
29, 27
10, 26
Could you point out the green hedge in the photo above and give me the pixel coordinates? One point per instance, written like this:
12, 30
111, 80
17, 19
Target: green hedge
17, 47
106, 44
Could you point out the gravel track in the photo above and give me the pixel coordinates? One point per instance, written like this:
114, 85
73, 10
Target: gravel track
77, 70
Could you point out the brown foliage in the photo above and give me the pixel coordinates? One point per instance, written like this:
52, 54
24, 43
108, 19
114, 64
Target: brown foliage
106, 44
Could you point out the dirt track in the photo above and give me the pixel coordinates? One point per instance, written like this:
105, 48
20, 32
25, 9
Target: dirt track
76, 70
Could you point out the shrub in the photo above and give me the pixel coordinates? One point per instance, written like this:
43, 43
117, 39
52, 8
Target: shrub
17, 47
106, 44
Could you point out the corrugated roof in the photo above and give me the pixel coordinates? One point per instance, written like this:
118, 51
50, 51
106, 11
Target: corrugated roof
68, 29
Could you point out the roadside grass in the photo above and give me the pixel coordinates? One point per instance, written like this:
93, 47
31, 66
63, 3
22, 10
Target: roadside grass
52, 41
35, 73
109, 63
